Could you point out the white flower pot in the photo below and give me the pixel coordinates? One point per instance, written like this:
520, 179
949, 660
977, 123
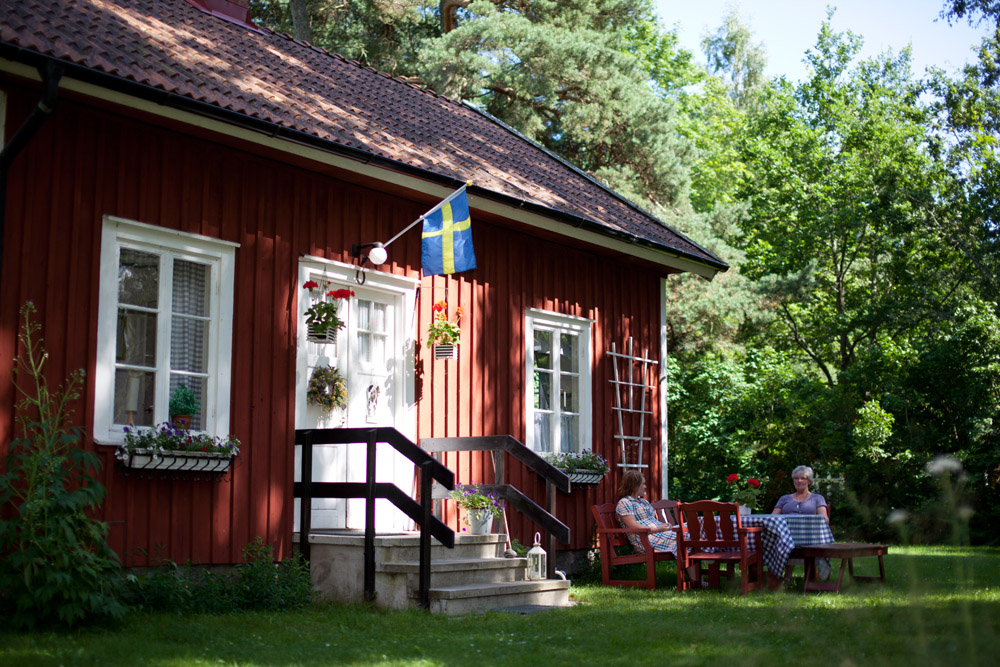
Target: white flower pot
744, 510
480, 522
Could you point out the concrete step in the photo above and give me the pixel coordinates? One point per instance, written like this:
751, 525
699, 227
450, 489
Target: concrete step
405, 547
479, 599
461, 571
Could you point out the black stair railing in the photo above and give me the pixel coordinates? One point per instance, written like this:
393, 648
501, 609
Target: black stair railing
554, 478
430, 470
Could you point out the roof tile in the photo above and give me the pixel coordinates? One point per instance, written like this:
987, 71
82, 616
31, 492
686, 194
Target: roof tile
171, 45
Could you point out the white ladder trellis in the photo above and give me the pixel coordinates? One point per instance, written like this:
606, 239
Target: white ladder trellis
630, 413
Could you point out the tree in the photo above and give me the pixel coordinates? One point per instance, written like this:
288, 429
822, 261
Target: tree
732, 55
566, 75
841, 186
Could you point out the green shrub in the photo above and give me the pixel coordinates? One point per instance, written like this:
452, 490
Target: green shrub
257, 584
56, 566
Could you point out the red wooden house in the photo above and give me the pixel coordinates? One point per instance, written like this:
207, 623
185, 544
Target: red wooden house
172, 179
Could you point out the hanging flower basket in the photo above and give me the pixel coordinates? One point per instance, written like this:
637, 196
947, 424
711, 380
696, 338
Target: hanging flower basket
446, 351
316, 335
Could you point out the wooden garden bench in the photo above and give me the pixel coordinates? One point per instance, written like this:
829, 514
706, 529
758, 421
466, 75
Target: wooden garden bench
610, 534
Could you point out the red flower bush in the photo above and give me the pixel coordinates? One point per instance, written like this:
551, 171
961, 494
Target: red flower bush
745, 493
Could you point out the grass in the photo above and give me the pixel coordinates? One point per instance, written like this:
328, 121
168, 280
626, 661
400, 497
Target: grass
940, 605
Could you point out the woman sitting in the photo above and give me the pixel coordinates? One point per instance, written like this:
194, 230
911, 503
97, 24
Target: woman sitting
636, 513
802, 501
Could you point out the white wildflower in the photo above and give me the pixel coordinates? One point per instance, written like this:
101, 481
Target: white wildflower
942, 464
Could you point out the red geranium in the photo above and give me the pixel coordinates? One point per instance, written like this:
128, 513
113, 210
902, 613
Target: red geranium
732, 478
753, 482
440, 305
311, 284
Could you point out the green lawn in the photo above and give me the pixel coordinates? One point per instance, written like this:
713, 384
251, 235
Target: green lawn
941, 605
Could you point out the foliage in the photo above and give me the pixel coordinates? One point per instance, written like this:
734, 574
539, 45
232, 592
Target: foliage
442, 331
746, 492
321, 315
730, 52
472, 498
257, 584
940, 606
183, 401
56, 567
327, 388
588, 461
165, 438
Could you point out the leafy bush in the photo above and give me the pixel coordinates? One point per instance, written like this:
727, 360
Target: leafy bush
56, 567
256, 584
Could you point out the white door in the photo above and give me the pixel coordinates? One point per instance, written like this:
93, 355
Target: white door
372, 352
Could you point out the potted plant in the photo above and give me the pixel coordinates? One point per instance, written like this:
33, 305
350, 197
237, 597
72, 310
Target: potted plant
582, 467
322, 321
183, 406
480, 507
327, 388
442, 334
166, 447
745, 493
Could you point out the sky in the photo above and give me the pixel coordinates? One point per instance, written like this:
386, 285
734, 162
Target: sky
788, 28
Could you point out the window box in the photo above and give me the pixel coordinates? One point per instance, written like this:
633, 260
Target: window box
147, 459
584, 476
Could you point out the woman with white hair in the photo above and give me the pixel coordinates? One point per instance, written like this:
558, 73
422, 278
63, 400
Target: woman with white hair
802, 501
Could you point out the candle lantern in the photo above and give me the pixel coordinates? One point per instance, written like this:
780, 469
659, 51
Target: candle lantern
537, 560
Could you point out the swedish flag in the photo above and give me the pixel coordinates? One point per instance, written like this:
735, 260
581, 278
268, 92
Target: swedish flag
447, 238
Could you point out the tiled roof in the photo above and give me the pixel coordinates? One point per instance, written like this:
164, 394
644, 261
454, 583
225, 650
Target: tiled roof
172, 46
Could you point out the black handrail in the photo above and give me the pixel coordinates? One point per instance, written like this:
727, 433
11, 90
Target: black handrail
554, 478
430, 469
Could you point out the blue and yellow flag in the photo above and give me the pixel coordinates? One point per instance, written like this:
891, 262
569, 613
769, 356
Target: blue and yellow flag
447, 237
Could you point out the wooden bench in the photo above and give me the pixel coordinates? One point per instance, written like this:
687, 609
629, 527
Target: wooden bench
846, 552
610, 534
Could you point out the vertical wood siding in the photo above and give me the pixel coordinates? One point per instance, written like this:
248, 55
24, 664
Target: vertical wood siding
87, 163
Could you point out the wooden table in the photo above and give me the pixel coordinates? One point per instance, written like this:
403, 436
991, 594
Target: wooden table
846, 552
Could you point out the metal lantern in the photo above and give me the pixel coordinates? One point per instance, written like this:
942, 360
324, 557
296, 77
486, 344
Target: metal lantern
537, 560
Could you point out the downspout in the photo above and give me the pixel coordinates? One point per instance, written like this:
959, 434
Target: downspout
50, 74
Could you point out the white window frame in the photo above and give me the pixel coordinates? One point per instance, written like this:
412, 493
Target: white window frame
558, 323
221, 257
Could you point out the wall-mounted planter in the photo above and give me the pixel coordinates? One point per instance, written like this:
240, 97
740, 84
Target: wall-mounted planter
584, 476
446, 351
141, 459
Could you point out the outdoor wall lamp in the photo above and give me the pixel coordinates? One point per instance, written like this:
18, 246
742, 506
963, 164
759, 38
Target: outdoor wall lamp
376, 255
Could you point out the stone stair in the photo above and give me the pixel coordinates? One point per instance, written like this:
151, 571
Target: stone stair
472, 578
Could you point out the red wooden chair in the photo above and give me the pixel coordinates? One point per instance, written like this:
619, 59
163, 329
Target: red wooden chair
712, 532
610, 534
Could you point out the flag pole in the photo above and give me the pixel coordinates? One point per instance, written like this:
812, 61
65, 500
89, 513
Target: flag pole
420, 219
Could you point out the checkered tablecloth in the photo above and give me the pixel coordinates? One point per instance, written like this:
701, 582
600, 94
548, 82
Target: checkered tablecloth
784, 532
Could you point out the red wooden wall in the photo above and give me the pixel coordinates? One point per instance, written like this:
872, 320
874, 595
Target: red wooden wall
86, 163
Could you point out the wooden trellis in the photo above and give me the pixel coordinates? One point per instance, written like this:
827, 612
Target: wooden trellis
631, 386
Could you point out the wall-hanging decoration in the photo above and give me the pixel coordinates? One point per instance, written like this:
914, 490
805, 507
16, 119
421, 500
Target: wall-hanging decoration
327, 388
442, 334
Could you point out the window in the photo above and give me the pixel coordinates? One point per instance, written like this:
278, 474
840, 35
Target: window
558, 368
165, 320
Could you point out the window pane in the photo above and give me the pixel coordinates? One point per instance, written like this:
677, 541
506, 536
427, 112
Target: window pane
189, 345
378, 350
138, 278
378, 317
543, 349
364, 315
543, 429
199, 387
136, 344
568, 425
192, 295
543, 390
569, 388
135, 396
569, 352
365, 347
